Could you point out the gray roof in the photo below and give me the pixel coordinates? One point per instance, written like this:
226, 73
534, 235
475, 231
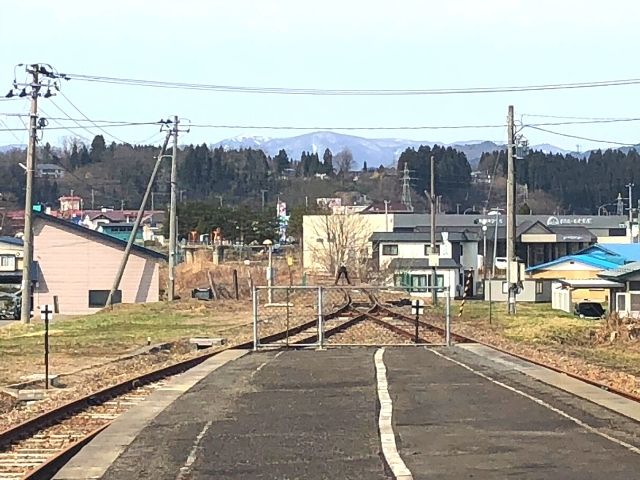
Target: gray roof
49, 166
99, 236
446, 220
424, 236
621, 271
420, 263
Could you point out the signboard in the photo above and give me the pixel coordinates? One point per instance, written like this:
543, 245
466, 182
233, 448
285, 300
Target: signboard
417, 307
283, 220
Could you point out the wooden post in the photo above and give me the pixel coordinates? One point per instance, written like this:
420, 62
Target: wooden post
212, 285
235, 283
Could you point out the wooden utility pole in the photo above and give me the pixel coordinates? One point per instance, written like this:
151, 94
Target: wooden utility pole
171, 294
25, 313
511, 214
136, 224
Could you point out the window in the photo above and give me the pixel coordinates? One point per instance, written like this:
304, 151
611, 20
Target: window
98, 298
7, 262
418, 282
539, 288
635, 286
439, 281
390, 249
621, 302
634, 302
427, 248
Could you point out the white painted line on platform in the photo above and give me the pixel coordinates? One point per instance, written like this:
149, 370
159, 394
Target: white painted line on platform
185, 470
387, 437
263, 364
562, 413
592, 393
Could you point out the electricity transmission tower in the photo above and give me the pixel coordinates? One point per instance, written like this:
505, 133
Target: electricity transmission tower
406, 188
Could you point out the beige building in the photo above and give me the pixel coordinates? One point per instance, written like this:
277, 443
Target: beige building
328, 240
78, 265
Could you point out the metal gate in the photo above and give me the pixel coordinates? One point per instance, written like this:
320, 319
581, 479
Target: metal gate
320, 316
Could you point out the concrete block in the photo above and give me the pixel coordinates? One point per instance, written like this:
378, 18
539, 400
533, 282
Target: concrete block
207, 342
30, 395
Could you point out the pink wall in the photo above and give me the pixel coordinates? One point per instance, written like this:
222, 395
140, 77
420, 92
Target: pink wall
71, 264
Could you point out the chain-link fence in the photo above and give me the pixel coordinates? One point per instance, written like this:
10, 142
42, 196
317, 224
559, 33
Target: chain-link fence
365, 315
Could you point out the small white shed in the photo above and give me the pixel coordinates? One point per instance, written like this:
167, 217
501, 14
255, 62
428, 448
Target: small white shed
561, 291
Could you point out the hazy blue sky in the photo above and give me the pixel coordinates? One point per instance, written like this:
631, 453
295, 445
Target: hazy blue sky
384, 44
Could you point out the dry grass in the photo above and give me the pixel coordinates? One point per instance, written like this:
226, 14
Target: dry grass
82, 341
538, 328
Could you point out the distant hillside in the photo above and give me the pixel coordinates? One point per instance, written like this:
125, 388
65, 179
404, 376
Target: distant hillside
375, 151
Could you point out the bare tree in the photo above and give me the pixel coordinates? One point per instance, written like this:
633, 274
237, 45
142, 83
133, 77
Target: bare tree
341, 239
343, 161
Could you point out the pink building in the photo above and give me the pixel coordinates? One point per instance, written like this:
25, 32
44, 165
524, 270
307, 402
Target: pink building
78, 265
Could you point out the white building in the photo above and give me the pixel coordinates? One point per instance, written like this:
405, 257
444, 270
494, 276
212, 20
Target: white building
403, 258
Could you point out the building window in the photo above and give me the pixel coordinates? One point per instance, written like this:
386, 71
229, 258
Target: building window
621, 302
98, 298
390, 249
427, 249
635, 286
634, 302
439, 281
7, 262
418, 282
539, 288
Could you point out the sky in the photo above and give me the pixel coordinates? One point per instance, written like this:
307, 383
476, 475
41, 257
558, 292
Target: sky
374, 44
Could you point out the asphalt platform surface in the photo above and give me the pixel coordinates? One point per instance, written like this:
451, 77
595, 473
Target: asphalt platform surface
305, 414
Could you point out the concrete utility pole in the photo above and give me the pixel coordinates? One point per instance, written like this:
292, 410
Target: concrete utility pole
433, 252
25, 313
511, 213
263, 198
171, 293
136, 225
93, 199
630, 186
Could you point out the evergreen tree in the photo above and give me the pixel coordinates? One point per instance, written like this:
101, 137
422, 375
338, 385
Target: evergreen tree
98, 148
281, 161
327, 162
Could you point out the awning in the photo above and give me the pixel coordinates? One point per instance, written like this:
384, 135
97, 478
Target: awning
591, 283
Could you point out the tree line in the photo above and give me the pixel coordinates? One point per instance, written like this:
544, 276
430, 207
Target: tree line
580, 185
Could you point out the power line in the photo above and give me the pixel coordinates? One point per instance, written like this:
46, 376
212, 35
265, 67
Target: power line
69, 117
346, 92
582, 138
89, 120
12, 133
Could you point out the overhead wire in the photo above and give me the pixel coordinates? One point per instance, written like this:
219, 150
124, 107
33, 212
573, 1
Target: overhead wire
611, 142
89, 120
345, 92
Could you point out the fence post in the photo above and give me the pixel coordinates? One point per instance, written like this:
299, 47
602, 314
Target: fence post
320, 318
447, 318
256, 340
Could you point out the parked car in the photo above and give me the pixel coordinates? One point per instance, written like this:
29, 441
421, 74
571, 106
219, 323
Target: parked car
589, 310
10, 304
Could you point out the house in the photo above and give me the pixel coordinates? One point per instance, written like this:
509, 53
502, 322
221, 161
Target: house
77, 267
49, 170
11, 260
121, 231
624, 298
404, 259
579, 274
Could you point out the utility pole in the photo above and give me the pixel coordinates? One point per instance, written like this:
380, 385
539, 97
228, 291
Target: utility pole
153, 203
511, 213
433, 252
136, 225
630, 186
93, 199
386, 215
263, 198
25, 312
172, 214
38, 73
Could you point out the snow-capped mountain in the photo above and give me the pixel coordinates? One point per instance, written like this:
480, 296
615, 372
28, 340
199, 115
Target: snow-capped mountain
8, 148
375, 151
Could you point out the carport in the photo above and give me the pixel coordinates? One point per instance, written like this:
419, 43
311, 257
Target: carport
564, 293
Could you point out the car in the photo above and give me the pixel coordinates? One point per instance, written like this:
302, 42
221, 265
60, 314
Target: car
589, 310
501, 263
